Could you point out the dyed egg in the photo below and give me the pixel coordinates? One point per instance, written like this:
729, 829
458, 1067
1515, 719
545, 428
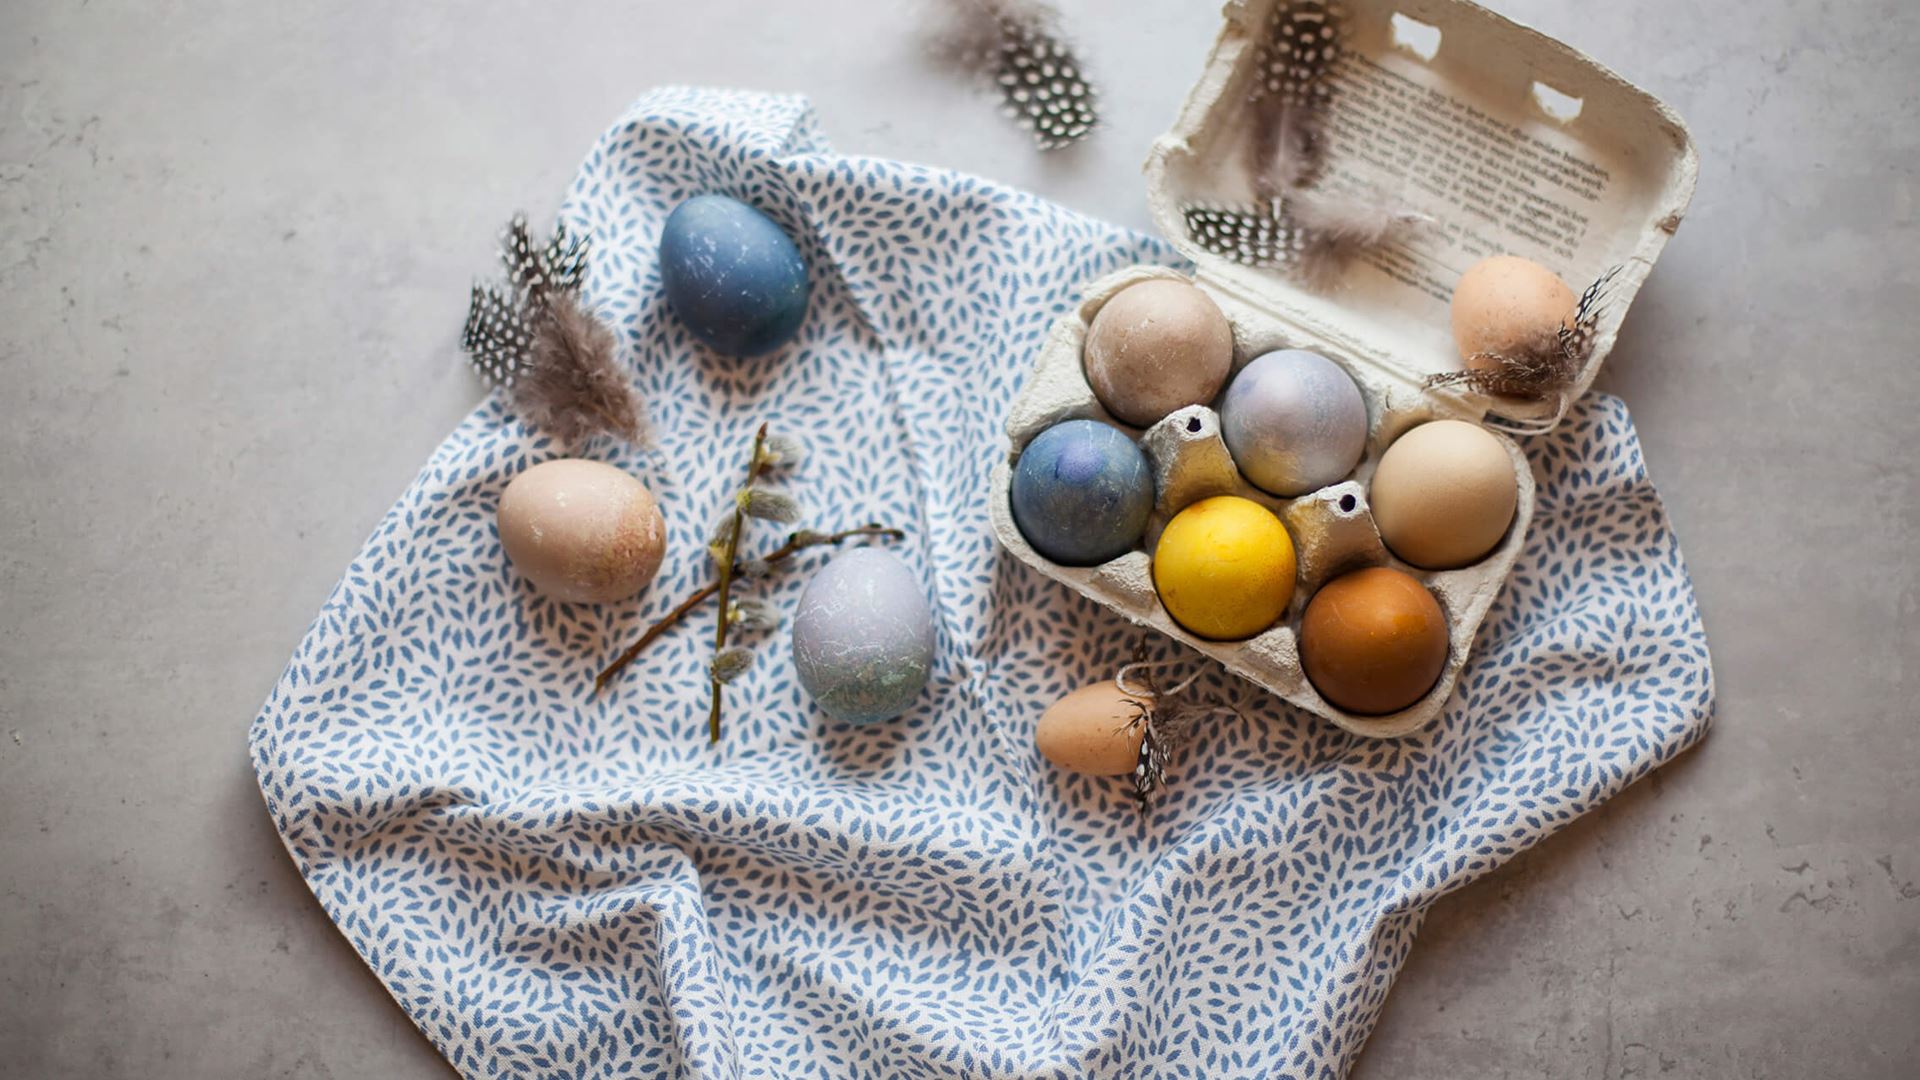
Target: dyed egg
1294, 422
582, 531
1224, 568
1373, 641
1505, 304
863, 637
732, 275
1082, 493
1095, 730
1155, 347
1444, 494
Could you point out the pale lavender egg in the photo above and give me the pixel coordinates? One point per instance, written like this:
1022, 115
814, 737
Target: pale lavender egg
863, 637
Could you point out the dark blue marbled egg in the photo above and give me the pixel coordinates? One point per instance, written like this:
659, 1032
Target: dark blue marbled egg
732, 275
1082, 492
863, 637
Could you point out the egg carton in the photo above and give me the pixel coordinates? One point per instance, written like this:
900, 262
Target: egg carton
1509, 142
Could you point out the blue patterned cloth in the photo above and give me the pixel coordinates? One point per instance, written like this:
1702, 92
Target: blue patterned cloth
552, 885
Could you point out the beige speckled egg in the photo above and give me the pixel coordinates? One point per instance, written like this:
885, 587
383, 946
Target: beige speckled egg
1504, 303
1157, 346
1094, 730
582, 531
1444, 494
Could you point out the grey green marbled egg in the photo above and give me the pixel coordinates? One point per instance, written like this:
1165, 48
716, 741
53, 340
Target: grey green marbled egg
863, 637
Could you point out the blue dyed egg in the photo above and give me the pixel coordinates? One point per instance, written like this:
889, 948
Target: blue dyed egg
863, 637
1082, 492
1294, 422
732, 275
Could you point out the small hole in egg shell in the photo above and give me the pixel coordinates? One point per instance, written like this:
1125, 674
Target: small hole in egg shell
1347, 503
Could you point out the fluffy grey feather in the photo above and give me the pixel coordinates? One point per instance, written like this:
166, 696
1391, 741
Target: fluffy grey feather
1330, 231
1312, 235
572, 385
534, 337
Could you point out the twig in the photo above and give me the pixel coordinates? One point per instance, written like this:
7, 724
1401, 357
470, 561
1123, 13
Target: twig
796, 543
727, 552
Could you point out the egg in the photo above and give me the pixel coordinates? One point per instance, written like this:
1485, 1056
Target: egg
1155, 347
1081, 493
732, 276
1373, 641
863, 637
1444, 494
1095, 730
1294, 422
582, 531
1503, 304
1224, 568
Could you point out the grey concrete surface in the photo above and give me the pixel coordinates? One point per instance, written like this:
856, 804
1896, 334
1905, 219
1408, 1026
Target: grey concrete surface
235, 240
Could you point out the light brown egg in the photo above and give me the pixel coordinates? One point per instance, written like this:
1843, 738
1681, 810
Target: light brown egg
582, 531
1444, 494
1504, 303
1155, 347
1373, 641
1094, 730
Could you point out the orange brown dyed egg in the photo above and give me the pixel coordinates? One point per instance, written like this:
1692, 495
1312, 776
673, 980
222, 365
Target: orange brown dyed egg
582, 531
1095, 730
1373, 641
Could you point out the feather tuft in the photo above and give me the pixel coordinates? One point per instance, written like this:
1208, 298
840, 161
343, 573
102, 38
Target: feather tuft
535, 337
572, 385
1313, 235
1330, 231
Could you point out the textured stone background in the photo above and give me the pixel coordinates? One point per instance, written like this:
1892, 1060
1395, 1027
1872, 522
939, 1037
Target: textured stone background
235, 242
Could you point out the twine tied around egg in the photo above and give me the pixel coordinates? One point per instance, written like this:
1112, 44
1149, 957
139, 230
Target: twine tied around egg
1167, 716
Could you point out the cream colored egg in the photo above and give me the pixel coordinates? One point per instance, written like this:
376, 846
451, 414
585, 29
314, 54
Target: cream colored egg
1095, 730
1444, 494
1505, 303
582, 531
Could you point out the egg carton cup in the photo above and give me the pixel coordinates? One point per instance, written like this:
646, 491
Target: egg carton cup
1509, 142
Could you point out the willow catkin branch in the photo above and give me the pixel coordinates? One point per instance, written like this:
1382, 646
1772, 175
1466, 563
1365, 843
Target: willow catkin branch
728, 552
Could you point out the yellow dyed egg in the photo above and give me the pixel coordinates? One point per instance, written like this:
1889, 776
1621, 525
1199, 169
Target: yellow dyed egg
1224, 568
1095, 730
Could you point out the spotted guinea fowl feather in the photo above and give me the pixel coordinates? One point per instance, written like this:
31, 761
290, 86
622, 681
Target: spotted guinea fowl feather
1017, 44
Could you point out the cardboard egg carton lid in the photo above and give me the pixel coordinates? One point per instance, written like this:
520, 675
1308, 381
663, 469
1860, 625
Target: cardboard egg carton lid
1509, 141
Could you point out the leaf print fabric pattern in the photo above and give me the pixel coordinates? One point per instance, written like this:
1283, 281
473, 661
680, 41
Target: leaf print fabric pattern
557, 886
